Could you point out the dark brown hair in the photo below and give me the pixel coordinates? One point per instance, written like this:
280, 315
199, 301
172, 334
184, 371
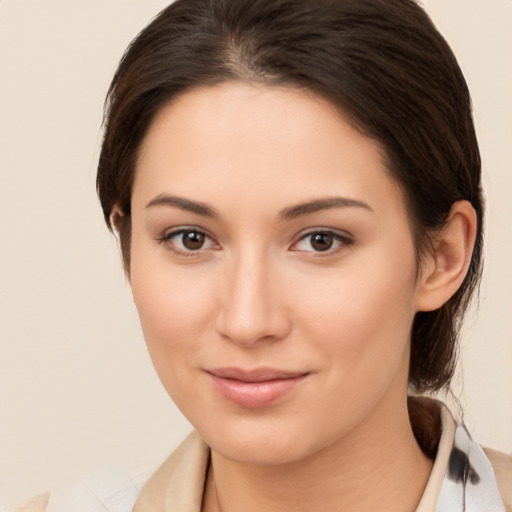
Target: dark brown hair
382, 62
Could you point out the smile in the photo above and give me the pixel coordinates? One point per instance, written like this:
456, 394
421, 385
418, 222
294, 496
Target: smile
254, 389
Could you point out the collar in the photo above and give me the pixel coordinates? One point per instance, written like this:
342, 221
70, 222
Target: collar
178, 484
468, 481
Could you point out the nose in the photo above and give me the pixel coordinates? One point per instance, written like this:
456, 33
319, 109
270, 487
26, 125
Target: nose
252, 306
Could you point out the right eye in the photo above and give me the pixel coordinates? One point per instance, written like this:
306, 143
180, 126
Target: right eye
187, 241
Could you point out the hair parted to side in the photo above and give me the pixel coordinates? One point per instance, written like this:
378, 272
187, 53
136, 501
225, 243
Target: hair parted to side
381, 62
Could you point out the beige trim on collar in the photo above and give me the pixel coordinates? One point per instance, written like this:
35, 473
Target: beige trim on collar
177, 486
432, 489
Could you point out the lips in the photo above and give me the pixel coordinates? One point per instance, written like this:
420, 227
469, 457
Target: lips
254, 388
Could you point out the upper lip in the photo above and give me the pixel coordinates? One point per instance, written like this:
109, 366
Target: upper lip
254, 375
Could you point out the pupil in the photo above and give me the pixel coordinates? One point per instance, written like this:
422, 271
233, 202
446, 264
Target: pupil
322, 241
193, 240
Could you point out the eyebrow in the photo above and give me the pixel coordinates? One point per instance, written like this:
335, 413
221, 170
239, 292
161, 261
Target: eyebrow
184, 204
321, 204
289, 213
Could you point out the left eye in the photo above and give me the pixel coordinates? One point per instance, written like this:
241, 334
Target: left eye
321, 241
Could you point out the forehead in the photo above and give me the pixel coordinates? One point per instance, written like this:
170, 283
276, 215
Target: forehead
256, 143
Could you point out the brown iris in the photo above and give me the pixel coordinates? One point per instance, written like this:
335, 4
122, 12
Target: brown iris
322, 241
193, 240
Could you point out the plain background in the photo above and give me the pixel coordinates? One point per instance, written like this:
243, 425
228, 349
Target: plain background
76, 385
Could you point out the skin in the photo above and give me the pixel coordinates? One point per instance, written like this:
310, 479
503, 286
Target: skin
258, 293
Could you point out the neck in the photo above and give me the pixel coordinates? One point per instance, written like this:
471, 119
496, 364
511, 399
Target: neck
377, 466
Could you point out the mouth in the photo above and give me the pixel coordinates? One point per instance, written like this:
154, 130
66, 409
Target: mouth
257, 388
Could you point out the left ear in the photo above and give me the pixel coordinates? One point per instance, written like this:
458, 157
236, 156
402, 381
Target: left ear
444, 270
116, 217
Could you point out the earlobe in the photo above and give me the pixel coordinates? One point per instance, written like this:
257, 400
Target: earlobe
449, 262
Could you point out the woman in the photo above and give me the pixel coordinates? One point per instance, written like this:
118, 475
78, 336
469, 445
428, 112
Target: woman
296, 188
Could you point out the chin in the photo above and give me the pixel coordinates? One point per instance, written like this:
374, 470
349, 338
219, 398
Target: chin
266, 441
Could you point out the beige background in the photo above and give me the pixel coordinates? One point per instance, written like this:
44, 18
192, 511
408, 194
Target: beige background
76, 385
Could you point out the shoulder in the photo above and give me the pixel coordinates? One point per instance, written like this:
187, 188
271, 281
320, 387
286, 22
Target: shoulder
502, 465
179, 479
37, 504
107, 491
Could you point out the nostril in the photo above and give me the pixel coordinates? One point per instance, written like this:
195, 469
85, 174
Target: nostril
246, 326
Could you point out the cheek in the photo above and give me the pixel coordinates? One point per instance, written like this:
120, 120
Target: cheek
175, 306
361, 316
173, 318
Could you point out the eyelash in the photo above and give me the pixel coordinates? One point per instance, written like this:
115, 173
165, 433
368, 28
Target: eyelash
343, 241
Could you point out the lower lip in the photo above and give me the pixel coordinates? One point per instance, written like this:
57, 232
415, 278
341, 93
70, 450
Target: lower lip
254, 395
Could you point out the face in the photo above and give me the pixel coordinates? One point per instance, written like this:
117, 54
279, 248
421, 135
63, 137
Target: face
273, 268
